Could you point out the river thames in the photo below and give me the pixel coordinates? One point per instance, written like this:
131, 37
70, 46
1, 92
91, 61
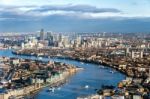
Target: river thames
93, 75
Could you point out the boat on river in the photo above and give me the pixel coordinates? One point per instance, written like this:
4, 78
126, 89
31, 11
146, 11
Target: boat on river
112, 72
86, 86
51, 89
58, 88
81, 62
40, 58
102, 67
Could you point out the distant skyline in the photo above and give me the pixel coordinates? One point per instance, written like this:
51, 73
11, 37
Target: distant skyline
75, 15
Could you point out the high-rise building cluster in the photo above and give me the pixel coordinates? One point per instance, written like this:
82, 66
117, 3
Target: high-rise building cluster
83, 40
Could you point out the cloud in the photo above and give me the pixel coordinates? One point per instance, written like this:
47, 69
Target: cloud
75, 11
78, 8
48, 10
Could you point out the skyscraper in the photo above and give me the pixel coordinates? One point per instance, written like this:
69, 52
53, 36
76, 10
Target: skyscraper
42, 35
49, 37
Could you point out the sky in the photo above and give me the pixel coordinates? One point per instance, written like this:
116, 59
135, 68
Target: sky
75, 15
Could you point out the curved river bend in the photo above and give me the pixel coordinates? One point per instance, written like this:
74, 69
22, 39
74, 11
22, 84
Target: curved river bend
92, 75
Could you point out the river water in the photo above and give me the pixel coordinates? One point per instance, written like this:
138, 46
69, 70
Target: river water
93, 75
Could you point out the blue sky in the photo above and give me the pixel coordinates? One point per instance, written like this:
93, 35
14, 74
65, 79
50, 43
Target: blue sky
75, 15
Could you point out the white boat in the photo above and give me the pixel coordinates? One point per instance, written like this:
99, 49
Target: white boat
51, 89
32, 53
58, 88
86, 86
112, 72
103, 67
81, 62
40, 58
